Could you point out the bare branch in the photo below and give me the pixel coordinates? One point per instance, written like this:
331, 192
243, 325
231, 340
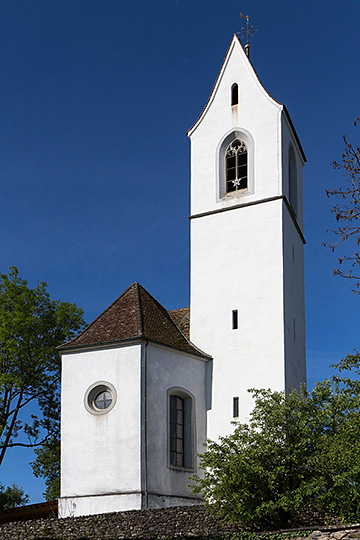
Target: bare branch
347, 212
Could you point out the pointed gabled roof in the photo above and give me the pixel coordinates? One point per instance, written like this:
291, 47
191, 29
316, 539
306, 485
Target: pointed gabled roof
134, 315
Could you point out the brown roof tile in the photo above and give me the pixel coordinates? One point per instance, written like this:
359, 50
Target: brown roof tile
135, 315
181, 318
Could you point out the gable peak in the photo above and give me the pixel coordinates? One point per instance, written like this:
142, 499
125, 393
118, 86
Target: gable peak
135, 315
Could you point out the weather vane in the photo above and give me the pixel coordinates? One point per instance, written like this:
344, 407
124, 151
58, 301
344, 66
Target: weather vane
247, 32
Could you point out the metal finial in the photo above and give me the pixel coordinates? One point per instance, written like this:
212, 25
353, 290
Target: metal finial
247, 32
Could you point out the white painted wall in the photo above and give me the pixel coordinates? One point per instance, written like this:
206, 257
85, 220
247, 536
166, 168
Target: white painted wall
240, 256
236, 263
294, 305
100, 454
167, 369
119, 460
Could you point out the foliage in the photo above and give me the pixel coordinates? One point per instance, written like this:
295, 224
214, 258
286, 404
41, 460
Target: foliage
11, 496
347, 212
298, 449
47, 465
31, 327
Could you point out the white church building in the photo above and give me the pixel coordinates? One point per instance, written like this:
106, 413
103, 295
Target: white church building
143, 387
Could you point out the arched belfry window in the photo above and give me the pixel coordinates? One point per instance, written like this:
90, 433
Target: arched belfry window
236, 165
234, 94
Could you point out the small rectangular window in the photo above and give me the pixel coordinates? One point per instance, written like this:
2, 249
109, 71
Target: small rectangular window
235, 319
235, 407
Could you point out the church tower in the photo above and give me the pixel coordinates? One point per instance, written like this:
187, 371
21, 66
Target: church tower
247, 267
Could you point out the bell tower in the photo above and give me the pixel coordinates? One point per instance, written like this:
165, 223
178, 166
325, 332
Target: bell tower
247, 266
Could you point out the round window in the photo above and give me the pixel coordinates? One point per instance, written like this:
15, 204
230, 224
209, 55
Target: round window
103, 400
100, 398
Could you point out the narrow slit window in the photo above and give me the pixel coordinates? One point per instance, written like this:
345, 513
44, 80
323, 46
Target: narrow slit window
177, 435
235, 319
235, 407
294, 328
234, 94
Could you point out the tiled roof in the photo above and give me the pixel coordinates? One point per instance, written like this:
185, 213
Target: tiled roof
134, 315
181, 318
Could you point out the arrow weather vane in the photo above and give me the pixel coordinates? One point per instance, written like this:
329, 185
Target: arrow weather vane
247, 32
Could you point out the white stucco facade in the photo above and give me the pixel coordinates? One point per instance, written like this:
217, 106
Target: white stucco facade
246, 246
101, 454
119, 460
169, 371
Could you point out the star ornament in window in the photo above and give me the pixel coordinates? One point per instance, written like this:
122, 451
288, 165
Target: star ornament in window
236, 182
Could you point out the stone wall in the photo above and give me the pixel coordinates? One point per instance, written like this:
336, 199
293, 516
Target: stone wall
166, 523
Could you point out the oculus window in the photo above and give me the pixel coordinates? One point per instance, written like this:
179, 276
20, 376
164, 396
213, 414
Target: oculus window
100, 398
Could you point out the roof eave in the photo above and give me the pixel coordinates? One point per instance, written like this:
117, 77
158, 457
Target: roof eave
131, 341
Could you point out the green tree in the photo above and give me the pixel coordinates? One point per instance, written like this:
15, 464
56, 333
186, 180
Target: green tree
298, 449
11, 496
347, 213
31, 327
47, 465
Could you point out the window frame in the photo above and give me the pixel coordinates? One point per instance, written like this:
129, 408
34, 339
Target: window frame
93, 391
246, 137
189, 429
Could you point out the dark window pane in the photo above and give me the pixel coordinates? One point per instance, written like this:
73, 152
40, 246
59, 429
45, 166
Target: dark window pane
236, 166
177, 431
103, 400
234, 94
235, 407
242, 158
235, 319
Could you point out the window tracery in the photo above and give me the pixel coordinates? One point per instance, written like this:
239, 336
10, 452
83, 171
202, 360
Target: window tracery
236, 164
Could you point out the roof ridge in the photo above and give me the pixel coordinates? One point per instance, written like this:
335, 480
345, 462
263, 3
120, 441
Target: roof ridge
178, 309
166, 313
139, 312
181, 332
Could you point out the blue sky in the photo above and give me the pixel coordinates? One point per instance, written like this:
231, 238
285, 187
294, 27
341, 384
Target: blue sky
95, 101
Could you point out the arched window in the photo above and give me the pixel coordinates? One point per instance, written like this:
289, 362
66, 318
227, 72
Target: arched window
180, 430
292, 180
236, 165
234, 94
